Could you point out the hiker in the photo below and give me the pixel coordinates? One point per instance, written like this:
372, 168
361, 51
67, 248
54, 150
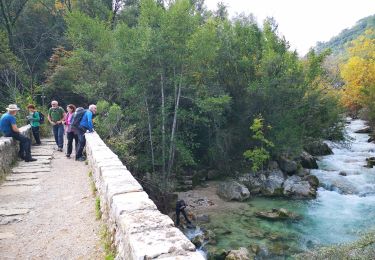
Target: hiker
34, 119
180, 208
56, 116
71, 133
85, 126
9, 128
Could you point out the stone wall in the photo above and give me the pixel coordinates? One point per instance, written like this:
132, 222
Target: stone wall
140, 231
9, 151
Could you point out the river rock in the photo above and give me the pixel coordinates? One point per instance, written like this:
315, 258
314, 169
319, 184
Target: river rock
365, 130
210, 236
203, 218
215, 253
295, 187
233, 190
241, 254
273, 184
318, 149
371, 139
287, 165
308, 161
342, 186
198, 240
277, 214
342, 173
312, 180
370, 162
254, 182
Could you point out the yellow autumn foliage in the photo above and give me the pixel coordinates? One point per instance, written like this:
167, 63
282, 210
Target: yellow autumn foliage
359, 72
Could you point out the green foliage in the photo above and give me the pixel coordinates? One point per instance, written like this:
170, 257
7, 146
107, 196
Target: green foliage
9, 67
259, 155
338, 43
98, 211
109, 249
176, 84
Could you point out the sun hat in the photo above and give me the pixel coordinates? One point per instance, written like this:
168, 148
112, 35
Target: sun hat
12, 107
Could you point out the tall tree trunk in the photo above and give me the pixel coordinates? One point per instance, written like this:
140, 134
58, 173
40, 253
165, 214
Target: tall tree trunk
173, 132
150, 135
163, 123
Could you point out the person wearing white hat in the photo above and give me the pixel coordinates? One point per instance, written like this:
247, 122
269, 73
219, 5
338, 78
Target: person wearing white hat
9, 128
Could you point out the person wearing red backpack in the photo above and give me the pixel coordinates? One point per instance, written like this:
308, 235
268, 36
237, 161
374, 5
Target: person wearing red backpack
34, 119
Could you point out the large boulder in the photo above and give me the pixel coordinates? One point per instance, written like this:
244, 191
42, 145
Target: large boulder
296, 188
308, 161
273, 185
287, 165
254, 182
318, 148
241, 254
232, 190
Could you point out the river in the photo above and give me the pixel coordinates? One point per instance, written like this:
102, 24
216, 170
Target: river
343, 210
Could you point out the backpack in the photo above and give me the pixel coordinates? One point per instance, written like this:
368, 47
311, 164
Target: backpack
41, 117
77, 117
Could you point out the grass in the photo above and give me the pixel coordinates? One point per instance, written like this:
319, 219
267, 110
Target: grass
109, 249
98, 212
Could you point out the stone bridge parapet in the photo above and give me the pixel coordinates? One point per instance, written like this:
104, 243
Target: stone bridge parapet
9, 151
140, 231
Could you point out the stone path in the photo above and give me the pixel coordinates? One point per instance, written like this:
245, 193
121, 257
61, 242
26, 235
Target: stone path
47, 210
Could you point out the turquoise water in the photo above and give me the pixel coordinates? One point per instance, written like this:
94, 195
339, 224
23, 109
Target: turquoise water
343, 210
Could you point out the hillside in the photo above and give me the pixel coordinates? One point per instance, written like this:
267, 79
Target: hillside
337, 43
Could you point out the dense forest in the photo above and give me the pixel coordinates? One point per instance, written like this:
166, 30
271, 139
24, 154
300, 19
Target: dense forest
177, 86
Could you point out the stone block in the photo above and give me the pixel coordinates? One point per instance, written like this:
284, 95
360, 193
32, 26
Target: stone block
119, 185
130, 202
154, 243
142, 221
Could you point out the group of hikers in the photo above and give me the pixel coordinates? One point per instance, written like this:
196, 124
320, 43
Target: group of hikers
75, 123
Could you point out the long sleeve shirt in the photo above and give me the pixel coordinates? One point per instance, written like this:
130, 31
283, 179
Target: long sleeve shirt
86, 121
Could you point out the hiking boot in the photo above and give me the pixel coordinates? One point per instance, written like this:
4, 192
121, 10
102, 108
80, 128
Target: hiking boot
59, 149
68, 155
30, 159
81, 159
36, 144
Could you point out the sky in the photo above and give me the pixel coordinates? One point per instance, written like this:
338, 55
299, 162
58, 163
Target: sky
303, 22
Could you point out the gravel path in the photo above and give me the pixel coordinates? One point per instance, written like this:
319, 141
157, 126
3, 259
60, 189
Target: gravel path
47, 210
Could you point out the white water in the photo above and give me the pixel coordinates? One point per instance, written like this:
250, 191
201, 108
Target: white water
343, 210
345, 205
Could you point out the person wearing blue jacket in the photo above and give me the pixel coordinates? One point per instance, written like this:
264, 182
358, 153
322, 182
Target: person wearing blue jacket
9, 128
85, 126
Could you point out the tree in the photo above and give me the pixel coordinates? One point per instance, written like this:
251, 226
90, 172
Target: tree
259, 155
358, 73
10, 11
